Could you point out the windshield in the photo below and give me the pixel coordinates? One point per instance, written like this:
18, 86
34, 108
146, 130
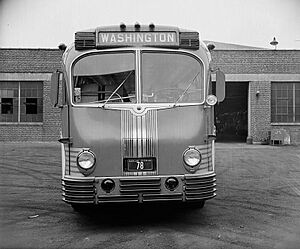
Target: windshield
105, 78
171, 78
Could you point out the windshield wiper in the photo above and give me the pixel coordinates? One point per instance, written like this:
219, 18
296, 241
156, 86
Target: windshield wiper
184, 92
122, 83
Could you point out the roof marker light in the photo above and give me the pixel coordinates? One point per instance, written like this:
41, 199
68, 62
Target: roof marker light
151, 26
137, 26
62, 46
211, 46
122, 26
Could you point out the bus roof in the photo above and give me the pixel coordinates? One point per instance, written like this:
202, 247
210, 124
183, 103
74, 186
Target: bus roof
136, 36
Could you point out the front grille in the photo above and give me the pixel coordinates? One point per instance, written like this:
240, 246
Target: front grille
206, 153
71, 161
189, 40
145, 185
78, 191
200, 188
85, 40
139, 137
118, 198
162, 197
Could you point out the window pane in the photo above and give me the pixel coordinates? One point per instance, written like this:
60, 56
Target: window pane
101, 77
282, 102
31, 101
297, 114
297, 102
9, 101
171, 78
31, 105
7, 106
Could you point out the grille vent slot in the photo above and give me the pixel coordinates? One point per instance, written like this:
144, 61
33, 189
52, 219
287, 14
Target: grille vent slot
85, 40
200, 189
76, 191
131, 185
189, 40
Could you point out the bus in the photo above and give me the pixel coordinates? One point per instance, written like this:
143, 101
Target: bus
137, 114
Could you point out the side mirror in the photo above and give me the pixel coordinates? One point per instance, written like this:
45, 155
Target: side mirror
220, 85
55, 79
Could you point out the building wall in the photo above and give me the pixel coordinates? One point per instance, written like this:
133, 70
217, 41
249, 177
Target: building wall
259, 68
292, 130
259, 110
49, 129
257, 61
31, 65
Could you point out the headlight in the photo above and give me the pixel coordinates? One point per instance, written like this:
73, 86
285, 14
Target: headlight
211, 100
86, 160
192, 157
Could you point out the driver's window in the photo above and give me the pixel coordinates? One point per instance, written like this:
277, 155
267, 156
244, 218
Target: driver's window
105, 78
118, 87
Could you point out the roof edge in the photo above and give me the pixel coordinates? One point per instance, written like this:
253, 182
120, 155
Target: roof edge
29, 49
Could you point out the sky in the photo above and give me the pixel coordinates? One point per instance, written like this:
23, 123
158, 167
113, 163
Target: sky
47, 23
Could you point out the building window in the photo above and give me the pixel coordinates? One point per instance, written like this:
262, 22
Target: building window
7, 106
285, 102
21, 102
31, 105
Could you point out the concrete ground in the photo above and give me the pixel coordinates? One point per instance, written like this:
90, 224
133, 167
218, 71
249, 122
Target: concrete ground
257, 206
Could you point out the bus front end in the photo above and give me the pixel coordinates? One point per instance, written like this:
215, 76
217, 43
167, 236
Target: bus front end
137, 119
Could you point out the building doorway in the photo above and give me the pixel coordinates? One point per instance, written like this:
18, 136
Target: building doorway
232, 114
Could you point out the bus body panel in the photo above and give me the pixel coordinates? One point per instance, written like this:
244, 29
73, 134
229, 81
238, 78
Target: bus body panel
101, 131
98, 130
178, 129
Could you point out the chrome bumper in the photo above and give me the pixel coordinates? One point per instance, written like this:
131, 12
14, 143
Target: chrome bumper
139, 189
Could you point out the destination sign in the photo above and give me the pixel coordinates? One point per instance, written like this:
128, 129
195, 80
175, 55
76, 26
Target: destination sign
137, 38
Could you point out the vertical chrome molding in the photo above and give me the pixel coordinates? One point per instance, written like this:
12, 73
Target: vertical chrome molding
139, 136
138, 76
213, 154
63, 160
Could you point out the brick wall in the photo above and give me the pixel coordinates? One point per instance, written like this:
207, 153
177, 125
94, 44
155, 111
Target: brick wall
52, 118
292, 130
47, 131
35, 65
13, 60
257, 61
254, 64
260, 110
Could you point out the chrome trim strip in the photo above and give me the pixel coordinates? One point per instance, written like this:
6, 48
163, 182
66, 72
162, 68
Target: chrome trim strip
138, 76
139, 137
78, 191
71, 161
162, 197
213, 156
117, 198
129, 106
63, 160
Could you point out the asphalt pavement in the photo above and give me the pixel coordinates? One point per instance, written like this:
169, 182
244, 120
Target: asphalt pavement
257, 205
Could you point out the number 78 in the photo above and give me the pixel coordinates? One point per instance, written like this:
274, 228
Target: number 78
140, 165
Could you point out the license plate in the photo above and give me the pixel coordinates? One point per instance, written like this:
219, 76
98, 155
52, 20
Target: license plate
139, 164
